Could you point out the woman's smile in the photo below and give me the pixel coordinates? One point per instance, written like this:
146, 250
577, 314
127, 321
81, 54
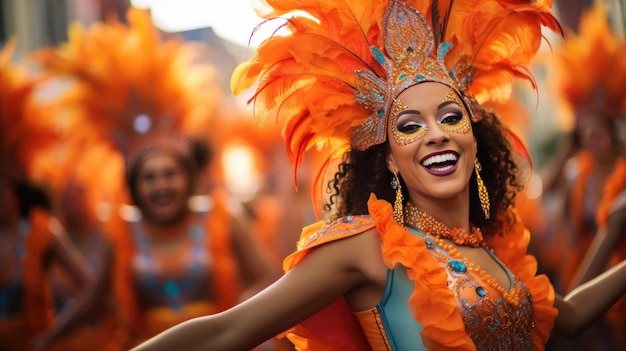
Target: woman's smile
440, 163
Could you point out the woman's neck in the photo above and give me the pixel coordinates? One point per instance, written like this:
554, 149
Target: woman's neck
167, 230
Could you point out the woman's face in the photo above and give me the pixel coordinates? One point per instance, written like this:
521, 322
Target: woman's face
596, 135
162, 188
431, 142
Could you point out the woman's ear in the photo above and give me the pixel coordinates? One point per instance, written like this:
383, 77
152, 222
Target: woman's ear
391, 164
475, 146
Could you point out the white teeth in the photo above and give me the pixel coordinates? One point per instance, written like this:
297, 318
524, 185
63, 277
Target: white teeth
439, 159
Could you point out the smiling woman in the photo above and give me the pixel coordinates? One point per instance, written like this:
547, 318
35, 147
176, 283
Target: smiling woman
173, 263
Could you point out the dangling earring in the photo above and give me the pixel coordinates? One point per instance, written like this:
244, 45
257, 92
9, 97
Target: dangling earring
398, 212
483, 195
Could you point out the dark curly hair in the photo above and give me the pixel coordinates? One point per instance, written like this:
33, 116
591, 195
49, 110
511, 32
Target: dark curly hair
364, 172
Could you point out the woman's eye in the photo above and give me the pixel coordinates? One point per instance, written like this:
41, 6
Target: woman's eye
409, 127
149, 177
451, 118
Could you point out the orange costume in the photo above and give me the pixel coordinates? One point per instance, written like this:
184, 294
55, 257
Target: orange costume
147, 295
140, 87
588, 75
334, 80
449, 318
26, 308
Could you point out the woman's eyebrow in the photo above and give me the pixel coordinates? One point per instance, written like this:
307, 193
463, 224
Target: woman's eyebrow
446, 103
439, 107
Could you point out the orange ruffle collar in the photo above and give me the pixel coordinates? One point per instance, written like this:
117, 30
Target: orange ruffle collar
433, 304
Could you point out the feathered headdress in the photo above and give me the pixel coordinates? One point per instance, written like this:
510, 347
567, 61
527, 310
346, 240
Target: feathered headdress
130, 84
127, 86
332, 77
589, 69
26, 126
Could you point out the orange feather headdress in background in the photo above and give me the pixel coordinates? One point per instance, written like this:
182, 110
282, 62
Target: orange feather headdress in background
127, 86
27, 125
331, 78
589, 69
131, 85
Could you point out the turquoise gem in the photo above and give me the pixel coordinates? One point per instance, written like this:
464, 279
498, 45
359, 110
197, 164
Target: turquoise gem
348, 219
481, 291
380, 57
443, 49
430, 243
458, 266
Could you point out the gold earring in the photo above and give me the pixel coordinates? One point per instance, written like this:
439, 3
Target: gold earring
398, 212
483, 195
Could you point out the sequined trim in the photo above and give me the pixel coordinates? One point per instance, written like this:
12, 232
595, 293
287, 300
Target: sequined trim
339, 227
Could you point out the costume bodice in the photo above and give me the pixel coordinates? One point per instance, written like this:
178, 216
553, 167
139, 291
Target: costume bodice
172, 279
493, 318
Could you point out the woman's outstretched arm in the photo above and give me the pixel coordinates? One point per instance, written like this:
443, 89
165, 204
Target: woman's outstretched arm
589, 301
327, 273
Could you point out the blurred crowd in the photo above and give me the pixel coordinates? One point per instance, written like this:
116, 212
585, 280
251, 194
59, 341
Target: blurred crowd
135, 196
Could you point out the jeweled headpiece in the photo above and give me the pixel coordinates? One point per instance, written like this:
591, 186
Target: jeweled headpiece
333, 76
410, 42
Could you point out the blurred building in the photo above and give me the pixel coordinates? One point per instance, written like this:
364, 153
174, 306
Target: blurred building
39, 23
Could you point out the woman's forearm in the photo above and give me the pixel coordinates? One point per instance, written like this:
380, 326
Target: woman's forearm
589, 301
190, 335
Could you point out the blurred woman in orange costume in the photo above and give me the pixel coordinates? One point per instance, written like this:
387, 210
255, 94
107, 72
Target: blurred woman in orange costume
588, 75
30, 237
171, 262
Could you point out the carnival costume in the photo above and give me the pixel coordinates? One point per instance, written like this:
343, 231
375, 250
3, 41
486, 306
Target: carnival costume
332, 78
586, 64
137, 89
26, 308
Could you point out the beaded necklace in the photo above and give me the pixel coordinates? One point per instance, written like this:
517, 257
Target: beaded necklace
425, 223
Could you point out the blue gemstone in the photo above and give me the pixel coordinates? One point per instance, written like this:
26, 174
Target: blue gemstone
458, 266
402, 76
430, 243
481, 291
348, 219
381, 113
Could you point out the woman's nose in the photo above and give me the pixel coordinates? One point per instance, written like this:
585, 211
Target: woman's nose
436, 135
